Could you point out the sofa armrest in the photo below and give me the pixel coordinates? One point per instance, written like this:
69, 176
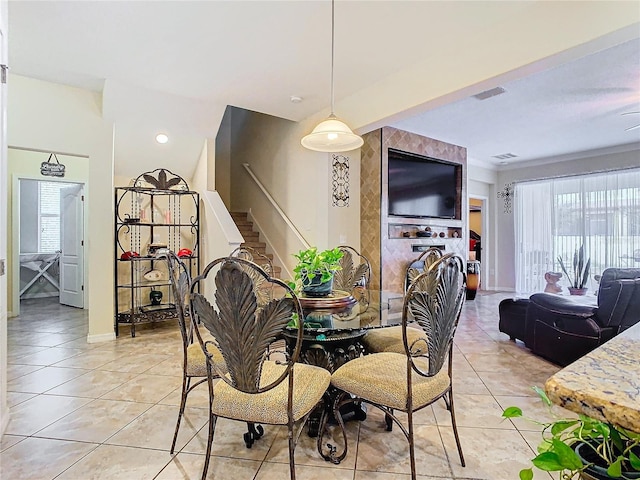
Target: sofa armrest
562, 314
560, 305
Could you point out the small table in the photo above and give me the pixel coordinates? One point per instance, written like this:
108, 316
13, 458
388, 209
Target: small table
332, 337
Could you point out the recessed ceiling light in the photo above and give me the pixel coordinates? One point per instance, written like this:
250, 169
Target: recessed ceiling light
295, 99
162, 138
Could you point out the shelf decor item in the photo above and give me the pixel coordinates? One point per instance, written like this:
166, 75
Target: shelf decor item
170, 221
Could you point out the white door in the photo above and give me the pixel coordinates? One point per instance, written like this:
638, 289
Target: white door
72, 246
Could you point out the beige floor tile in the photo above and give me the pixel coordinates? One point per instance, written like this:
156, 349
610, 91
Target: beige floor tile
145, 388
134, 363
8, 441
111, 462
307, 448
280, 471
156, 426
15, 351
36, 413
228, 440
170, 366
382, 451
41, 458
44, 379
48, 339
187, 466
472, 411
533, 408
92, 358
49, 356
364, 475
95, 422
468, 382
198, 397
92, 384
518, 382
489, 454
15, 398
15, 370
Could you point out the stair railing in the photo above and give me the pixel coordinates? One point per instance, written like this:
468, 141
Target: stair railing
276, 206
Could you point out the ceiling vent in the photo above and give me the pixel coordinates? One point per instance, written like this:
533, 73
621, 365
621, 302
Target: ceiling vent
490, 93
504, 156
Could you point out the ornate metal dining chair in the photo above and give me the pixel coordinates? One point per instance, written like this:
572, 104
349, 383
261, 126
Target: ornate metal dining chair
193, 358
256, 389
390, 339
354, 275
421, 375
262, 289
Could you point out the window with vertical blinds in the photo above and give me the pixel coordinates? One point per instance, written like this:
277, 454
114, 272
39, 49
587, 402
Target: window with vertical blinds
49, 216
554, 217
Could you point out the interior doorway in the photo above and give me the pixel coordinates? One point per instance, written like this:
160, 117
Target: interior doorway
50, 241
478, 233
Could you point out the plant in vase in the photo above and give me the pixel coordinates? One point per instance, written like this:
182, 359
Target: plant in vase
582, 447
580, 272
314, 271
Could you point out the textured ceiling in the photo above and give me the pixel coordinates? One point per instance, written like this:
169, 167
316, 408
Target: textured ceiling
175, 65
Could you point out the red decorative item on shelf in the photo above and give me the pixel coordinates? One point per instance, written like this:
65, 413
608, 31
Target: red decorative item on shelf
129, 255
184, 252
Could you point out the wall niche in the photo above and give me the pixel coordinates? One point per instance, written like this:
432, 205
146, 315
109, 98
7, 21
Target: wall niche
391, 242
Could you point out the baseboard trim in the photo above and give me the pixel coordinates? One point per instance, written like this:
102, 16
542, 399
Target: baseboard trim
103, 337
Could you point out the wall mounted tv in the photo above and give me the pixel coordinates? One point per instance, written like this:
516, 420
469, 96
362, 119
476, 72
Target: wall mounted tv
423, 187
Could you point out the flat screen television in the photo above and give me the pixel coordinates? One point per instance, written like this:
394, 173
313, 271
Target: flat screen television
423, 187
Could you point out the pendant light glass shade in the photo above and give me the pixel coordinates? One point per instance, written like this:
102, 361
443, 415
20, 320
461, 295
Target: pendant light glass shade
332, 135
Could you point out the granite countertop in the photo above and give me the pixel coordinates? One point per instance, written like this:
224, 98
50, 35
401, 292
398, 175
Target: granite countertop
605, 383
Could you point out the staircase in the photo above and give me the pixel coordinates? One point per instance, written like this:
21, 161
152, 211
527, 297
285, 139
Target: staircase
252, 238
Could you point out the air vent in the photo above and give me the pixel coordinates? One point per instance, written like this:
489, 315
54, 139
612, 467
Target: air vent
490, 93
504, 156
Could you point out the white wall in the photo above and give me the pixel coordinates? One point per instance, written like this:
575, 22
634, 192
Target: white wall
53, 117
481, 184
299, 181
505, 226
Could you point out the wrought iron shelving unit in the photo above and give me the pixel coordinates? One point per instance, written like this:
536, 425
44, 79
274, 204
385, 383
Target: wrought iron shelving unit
157, 211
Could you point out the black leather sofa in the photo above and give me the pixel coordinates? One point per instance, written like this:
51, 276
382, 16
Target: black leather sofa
562, 330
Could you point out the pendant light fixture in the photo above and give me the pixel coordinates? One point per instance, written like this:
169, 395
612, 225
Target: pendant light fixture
332, 135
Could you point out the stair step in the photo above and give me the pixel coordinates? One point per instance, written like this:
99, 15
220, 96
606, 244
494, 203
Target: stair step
252, 238
258, 246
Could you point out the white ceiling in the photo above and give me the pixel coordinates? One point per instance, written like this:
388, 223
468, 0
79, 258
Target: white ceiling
174, 65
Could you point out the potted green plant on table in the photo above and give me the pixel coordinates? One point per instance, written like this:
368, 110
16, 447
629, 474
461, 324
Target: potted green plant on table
580, 272
314, 271
583, 447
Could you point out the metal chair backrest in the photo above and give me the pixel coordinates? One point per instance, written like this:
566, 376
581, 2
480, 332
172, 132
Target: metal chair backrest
180, 285
436, 310
355, 270
262, 291
243, 330
421, 264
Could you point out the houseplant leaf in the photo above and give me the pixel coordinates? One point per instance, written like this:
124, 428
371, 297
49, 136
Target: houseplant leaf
526, 474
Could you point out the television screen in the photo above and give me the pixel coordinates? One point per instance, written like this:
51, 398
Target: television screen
421, 186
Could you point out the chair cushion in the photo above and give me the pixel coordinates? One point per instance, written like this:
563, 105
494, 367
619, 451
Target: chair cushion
309, 385
389, 339
382, 378
196, 361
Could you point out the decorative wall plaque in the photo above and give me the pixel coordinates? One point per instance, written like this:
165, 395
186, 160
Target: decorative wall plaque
506, 195
340, 180
50, 169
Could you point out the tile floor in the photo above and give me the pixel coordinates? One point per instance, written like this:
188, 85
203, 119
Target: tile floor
107, 411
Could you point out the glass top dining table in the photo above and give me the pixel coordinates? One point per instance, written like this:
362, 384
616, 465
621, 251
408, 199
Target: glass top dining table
325, 319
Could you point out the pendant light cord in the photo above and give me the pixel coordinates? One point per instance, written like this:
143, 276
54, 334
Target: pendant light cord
332, 48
